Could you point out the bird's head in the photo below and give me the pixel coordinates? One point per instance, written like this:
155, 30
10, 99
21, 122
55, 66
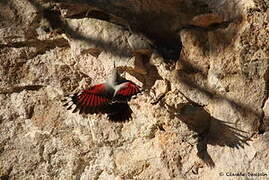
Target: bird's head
115, 77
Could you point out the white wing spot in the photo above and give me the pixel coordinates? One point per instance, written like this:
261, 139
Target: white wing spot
70, 103
73, 107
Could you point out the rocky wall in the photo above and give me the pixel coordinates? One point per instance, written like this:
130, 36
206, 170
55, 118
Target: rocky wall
204, 112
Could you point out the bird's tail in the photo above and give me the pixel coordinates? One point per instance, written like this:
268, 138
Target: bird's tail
119, 112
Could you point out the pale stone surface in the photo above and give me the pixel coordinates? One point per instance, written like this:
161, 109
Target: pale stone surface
189, 123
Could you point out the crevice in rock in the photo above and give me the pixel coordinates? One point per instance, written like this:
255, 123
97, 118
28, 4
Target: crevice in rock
213, 26
7, 175
82, 164
18, 89
92, 14
162, 94
48, 44
54, 18
41, 45
95, 52
160, 127
262, 127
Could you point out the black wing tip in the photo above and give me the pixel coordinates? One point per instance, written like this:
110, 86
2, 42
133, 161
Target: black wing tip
70, 102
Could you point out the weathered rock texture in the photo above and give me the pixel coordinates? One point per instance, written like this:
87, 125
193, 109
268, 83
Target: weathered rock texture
204, 112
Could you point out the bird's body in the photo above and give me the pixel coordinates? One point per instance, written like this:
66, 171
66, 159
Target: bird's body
109, 98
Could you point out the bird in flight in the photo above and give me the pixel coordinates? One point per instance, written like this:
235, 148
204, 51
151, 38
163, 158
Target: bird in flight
109, 98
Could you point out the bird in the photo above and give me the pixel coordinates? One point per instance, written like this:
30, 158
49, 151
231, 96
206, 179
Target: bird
110, 97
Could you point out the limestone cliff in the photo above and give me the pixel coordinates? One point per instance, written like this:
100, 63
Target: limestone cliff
204, 66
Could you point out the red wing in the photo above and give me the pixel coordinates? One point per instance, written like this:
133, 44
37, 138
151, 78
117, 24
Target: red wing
92, 97
128, 90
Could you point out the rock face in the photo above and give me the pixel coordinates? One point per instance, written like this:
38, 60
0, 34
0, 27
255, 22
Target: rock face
204, 115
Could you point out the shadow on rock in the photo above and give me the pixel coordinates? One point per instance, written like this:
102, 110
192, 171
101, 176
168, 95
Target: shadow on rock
187, 82
160, 25
209, 130
58, 24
